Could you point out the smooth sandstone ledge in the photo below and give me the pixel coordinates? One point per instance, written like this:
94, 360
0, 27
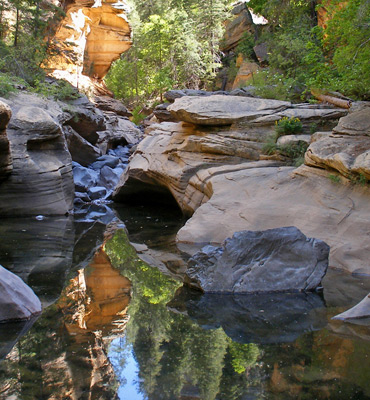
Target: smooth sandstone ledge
223, 110
272, 197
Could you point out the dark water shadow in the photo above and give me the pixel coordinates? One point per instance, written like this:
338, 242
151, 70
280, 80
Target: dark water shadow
255, 318
39, 251
11, 332
154, 225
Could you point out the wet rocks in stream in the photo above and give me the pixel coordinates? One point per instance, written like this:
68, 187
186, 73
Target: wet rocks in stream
97, 181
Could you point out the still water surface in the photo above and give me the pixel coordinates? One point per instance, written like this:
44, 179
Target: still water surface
116, 327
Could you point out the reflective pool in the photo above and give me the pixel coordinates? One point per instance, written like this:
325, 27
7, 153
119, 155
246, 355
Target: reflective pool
115, 327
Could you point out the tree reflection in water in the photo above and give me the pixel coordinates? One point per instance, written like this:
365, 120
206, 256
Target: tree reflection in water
178, 347
124, 330
177, 358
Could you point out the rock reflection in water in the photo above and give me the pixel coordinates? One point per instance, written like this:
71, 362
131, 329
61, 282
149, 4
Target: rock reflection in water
260, 318
64, 354
11, 332
97, 298
39, 252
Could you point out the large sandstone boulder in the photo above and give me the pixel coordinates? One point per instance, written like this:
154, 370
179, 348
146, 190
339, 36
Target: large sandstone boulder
106, 103
240, 22
82, 151
254, 196
223, 110
347, 150
5, 155
174, 94
275, 260
172, 153
119, 131
17, 300
87, 121
41, 181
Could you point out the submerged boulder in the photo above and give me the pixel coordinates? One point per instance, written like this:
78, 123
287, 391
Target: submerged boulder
281, 259
359, 314
253, 318
17, 300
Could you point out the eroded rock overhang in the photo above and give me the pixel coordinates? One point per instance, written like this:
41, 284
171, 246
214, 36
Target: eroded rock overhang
90, 37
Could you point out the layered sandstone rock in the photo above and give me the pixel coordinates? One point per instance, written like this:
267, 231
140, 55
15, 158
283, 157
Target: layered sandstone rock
92, 35
5, 155
41, 181
43, 139
223, 110
39, 251
256, 197
218, 176
240, 22
347, 149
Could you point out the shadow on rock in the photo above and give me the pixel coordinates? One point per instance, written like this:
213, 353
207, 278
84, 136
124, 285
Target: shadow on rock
254, 318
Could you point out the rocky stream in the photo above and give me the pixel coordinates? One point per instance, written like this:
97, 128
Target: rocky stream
104, 221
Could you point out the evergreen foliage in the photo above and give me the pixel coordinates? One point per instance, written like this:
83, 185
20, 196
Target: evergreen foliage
305, 56
26, 40
175, 45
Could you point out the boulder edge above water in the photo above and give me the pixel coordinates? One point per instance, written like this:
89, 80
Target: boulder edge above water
275, 260
17, 300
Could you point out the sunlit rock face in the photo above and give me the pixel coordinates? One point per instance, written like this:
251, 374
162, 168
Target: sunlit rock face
240, 22
322, 12
92, 35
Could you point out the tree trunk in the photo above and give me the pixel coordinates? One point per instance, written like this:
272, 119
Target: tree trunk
16, 33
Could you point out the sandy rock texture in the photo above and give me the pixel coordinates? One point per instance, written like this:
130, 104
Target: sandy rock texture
347, 149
